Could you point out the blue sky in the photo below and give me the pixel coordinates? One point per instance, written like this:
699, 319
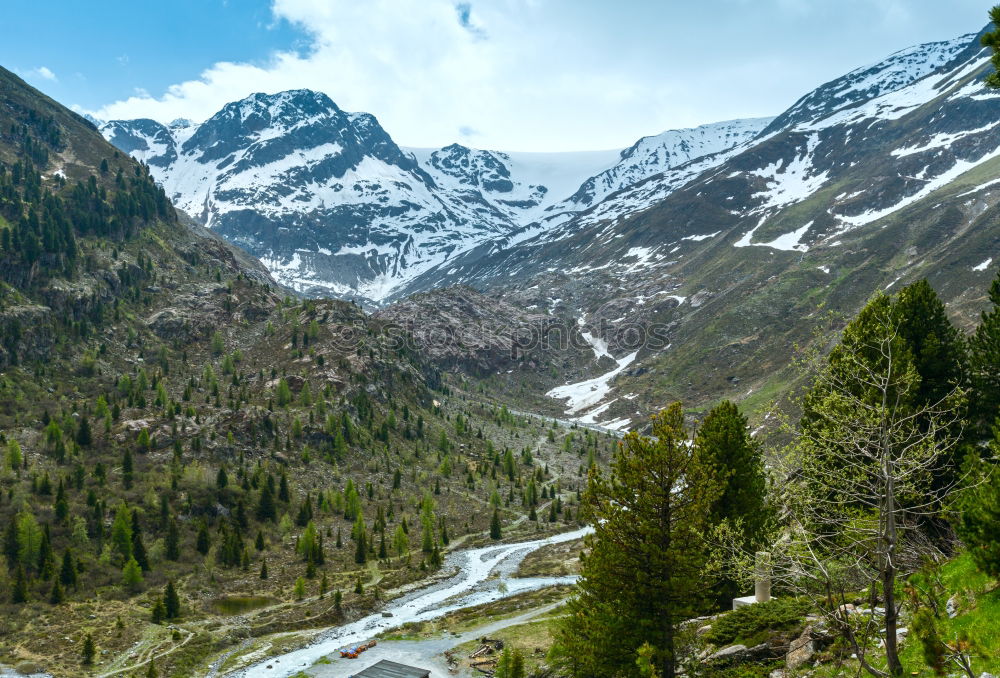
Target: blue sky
508, 74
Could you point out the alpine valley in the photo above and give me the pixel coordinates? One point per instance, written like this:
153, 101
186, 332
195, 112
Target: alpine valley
277, 393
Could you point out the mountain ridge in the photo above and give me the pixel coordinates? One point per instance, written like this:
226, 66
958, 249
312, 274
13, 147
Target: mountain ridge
366, 215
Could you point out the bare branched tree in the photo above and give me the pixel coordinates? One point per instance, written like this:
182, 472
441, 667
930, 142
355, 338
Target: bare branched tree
859, 484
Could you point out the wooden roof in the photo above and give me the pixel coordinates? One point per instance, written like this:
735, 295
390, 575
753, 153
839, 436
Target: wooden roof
388, 669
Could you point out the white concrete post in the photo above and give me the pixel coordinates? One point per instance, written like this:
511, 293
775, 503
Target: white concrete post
762, 583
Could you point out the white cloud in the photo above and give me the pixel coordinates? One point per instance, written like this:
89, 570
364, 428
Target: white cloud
427, 69
44, 73
542, 75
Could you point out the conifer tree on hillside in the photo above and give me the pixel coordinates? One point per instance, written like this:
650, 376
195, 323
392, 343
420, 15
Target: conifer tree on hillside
67, 572
991, 40
936, 345
984, 365
171, 601
88, 651
647, 570
495, 529
922, 340
173, 541
978, 518
725, 441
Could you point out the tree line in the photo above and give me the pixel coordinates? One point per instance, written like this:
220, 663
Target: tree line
894, 454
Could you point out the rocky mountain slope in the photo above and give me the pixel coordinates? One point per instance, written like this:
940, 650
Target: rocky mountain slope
886, 175
333, 207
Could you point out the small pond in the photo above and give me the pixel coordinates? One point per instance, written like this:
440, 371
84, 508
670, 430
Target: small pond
240, 604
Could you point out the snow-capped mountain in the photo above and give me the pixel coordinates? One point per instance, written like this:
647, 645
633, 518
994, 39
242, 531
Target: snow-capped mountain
732, 241
324, 197
884, 176
852, 152
333, 206
870, 82
653, 155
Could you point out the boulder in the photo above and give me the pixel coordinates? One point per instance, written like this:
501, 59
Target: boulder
951, 607
738, 654
733, 653
801, 650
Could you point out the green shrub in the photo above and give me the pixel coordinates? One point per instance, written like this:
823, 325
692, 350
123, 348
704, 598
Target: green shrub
750, 624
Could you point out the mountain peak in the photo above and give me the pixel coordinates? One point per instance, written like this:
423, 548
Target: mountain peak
264, 109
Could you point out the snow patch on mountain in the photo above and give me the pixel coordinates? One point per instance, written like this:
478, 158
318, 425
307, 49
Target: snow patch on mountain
584, 395
791, 183
959, 168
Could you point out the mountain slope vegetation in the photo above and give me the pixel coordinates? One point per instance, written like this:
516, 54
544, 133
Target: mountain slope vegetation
183, 443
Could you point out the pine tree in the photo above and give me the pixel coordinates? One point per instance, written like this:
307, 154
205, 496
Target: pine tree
218, 345
300, 588
991, 40
159, 612
259, 542
263, 569
203, 542
646, 570
921, 337
171, 601
978, 520
510, 664
132, 576
172, 550
11, 543
138, 548
88, 651
84, 437
400, 542
283, 494
14, 457
46, 561
67, 573
265, 505
61, 506
936, 345
19, 591
725, 441
56, 596
495, 525
127, 469
867, 457
984, 365
283, 395
361, 543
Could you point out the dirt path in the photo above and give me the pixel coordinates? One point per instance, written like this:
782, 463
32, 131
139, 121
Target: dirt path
147, 655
